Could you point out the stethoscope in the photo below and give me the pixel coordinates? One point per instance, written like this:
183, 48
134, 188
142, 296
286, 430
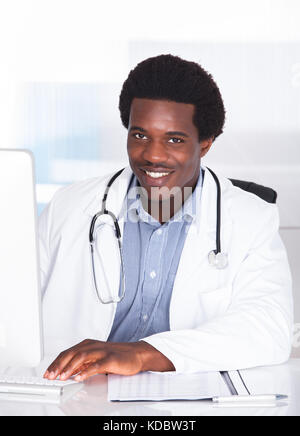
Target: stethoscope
216, 258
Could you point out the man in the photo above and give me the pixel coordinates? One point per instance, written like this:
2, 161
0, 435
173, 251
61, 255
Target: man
179, 312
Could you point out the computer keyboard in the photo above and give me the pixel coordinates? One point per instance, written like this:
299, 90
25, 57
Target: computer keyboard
36, 386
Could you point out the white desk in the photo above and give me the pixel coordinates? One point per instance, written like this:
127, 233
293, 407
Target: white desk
92, 399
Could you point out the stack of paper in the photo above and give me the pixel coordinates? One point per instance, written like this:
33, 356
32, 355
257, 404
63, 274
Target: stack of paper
155, 386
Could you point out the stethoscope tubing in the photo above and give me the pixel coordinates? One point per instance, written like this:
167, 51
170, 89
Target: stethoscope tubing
218, 210
104, 211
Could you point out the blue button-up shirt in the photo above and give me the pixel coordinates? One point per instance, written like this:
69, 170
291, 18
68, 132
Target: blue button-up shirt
151, 253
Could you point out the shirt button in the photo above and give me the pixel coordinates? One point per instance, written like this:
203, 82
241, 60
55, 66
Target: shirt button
159, 231
145, 317
153, 274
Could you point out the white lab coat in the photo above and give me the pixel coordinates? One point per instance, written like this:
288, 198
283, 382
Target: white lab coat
238, 317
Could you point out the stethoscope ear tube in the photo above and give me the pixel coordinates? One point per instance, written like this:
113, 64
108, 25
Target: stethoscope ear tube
92, 227
218, 215
95, 217
105, 211
111, 181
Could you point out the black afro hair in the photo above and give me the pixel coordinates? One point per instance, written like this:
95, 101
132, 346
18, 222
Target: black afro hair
171, 78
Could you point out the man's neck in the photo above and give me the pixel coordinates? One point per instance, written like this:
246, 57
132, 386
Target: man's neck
164, 210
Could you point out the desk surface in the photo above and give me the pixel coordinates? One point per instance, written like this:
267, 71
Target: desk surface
92, 399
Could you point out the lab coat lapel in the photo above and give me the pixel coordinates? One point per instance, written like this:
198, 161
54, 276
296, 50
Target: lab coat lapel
194, 270
201, 234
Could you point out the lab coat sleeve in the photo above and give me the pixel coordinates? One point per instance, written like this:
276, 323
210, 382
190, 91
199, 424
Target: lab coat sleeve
256, 329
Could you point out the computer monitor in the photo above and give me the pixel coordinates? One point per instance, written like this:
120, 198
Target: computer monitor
20, 297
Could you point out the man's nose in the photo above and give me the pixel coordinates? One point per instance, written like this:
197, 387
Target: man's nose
155, 152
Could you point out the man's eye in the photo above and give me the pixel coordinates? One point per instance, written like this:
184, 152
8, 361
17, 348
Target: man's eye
175, 140
139, 136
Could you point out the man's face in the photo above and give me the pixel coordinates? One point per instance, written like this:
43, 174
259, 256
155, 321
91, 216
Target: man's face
163, 144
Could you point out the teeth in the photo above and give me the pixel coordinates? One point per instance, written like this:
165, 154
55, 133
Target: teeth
156, 175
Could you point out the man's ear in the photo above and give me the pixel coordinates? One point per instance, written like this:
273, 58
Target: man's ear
205, 146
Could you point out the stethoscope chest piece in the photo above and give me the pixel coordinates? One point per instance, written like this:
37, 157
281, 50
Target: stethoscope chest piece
218, 260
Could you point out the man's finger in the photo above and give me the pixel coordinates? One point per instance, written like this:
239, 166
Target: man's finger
60, 362
80, 361
99, 367
56, 366
55, 369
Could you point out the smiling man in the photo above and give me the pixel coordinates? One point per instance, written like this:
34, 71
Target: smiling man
180, 311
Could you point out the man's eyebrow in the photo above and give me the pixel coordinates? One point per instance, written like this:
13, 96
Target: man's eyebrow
137, 128
177, 133
173, 133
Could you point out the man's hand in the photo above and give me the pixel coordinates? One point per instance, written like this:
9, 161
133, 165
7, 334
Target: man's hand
92, 357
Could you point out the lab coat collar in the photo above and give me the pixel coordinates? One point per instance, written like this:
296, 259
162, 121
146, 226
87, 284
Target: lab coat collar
116, 194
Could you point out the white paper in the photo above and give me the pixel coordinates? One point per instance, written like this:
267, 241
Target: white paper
150, 386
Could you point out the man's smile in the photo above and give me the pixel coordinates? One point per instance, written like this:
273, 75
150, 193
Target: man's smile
154, 177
